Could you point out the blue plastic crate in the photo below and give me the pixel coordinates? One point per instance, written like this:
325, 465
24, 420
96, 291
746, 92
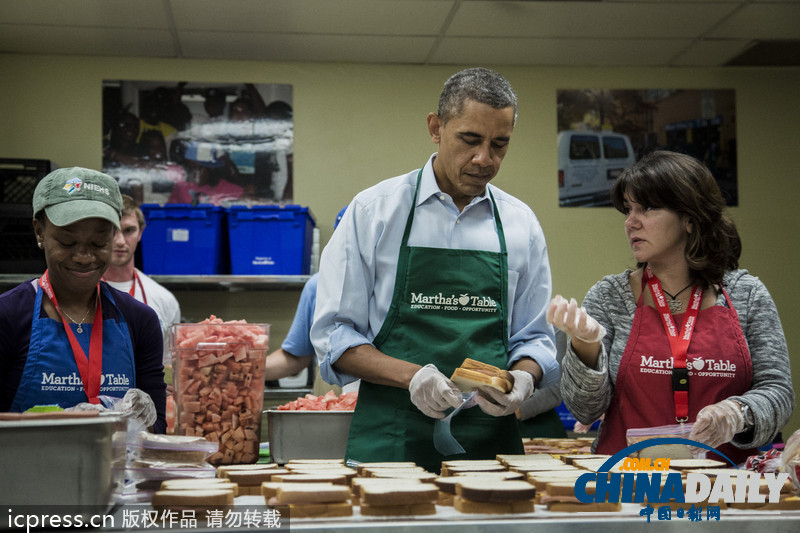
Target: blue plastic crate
181, 239
270, 239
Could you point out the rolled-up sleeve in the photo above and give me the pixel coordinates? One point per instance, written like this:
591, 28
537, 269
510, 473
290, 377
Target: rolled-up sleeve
341, 316
529, 333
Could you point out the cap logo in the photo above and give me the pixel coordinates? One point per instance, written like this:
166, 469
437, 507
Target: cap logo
73, 185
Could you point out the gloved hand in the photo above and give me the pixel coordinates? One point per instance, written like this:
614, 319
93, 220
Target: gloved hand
495, 403
574, 320
717, 423
432, 392
138, 405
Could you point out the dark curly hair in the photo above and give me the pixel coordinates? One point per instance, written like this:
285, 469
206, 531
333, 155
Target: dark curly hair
683, 184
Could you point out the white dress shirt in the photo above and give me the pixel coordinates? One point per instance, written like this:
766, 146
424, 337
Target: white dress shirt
358, 266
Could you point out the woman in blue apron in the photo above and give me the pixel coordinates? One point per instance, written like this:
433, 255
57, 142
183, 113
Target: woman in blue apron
74, 339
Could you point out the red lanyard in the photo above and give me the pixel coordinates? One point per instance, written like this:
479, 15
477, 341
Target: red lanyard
136, 280
678, 343
92, 367
132, 290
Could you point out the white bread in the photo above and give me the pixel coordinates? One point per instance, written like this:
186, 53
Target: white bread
453, 470
577, 507
179, 500
250, 478
320, 510
339, 462
374, 494
223, 469
506, 458
482, 490
302, 493
532, 467
369, 471
336, 479
506, 474
473, 374
471, 462
413, 509
200, 484
359, 482
468, 506
348, 473
386, 464
404, 474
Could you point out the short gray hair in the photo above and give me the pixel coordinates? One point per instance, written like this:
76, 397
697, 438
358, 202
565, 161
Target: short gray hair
482, 85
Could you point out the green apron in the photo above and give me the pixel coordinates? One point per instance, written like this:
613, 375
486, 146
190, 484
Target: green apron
547, 424
448, 304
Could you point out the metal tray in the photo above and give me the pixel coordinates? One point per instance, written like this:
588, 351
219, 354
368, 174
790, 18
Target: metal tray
307, 434
60, 462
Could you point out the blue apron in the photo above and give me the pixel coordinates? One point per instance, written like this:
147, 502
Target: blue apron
51, 376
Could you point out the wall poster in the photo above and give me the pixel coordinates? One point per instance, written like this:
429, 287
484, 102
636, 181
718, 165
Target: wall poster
603, 131
191, 142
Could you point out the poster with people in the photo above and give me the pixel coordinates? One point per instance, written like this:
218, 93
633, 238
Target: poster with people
191, 142
603, 131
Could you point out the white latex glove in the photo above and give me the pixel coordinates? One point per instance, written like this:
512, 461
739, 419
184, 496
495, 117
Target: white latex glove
138, 405
432, 392
574, 320
495, 403
717, 423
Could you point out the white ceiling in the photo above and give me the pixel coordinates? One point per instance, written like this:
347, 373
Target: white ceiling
418, 32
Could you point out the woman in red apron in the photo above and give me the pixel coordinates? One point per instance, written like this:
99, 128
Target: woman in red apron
684, 338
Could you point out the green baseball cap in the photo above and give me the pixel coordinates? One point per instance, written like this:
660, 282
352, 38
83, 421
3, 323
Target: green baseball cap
68, 195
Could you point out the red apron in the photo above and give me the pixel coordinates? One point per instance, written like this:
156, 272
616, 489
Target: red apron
719, 367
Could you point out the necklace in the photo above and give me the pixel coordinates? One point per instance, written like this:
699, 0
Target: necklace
80, 324
675, 305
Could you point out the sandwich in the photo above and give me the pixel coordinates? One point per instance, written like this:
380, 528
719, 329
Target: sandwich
473, 374
398, 499
476, 495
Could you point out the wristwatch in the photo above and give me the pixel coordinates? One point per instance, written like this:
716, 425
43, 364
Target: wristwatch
747, 414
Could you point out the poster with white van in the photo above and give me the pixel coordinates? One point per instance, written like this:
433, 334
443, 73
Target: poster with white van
603, 131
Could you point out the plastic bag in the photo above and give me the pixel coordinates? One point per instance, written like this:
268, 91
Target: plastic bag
672, 451
790, 459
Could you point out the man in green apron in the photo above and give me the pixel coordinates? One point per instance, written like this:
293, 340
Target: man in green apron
427, 269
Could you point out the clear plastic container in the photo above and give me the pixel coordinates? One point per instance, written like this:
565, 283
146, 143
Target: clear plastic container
218, 372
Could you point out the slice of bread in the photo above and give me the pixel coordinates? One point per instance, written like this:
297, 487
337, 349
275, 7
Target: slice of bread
213, 483
413, 509
453, 470
473, 374
385, 464
249, 478
336, 479
510, 507
577, 507
201, 499
297, 493
398, 494
320, 510
481, 490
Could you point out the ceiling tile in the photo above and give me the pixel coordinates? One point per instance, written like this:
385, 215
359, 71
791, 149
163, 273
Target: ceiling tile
567, 52
292, 47
352, 17
762, 21
85, 41
710, 52
109, 13
586, 19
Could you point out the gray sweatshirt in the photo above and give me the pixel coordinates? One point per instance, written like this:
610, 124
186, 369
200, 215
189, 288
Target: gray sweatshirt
588, 392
